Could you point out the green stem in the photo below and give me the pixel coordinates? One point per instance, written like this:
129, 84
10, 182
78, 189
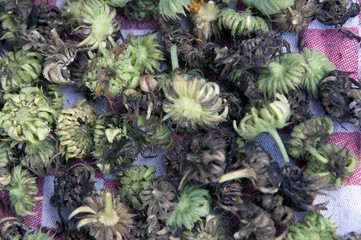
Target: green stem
243, 173
174, 57
318, 156
273, 132
108, 211
210, 7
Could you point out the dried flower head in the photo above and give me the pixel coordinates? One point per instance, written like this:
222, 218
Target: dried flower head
255, 223
269, 7
27, 116
314, 226
192, 102
266, 119
142, 230
19, 70
241, 23
296, 17
336, 95
319, 66
99, 25
205, 161
208, 228
78, 235
300, 106
307, 136
336, 12
11, 227
132, 182
160, 199
75, 129
192, 205
284, 73
22, 190
107, 217
205, 21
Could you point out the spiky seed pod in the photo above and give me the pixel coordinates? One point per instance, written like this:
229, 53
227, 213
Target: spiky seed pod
313, 226
319, 66
205, 21
298, 188
19, 70
107, 217
300, 106
205, 161
110, 73
71, 189
72, 10
192, 205
241, 23
11, 227
99, 25
159, 199
307, 136
106, 131
266, 119
22, 190
144, 53
142, 230
273, 204
141, 10
269, 7
75, 129
336, 95
283, 74
171, 8
78, 235
192, 102
27, 116
255, 223
340, 165
296, 17
40, 158
208, 228
133, 182
36, 235
45, 17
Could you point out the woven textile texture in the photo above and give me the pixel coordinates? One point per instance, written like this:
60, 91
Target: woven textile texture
344, 205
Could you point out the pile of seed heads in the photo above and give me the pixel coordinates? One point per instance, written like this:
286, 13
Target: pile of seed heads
260, 87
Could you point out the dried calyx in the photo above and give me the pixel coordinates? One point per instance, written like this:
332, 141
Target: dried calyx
11, 227
296, 17
107, 217
300, 106
35, 235
142, 230
336, 12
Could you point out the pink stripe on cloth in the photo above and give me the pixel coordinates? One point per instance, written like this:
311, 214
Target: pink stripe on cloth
34, 221
37, 2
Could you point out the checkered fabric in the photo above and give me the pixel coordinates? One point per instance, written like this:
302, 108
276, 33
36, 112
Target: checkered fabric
344, 205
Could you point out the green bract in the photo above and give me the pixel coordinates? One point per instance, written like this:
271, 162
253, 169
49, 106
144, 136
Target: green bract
75, 130
283, 74
171, 8
319, 66
192, 102
144, 53
266, 119
98, 25
27, 116
133, 182
141, 10
37, 235
22, 190
111, 73
117, 3
19, 69
192, 205
72, 10
6, 153
314, 227
269, 7
241, 23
